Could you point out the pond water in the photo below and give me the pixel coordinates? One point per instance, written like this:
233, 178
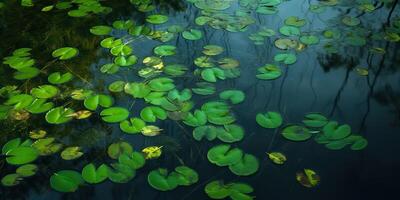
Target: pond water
199, 99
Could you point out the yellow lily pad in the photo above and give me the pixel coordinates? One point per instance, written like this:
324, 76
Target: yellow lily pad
308, 178
37, 134
277, 157
151, 130
71, 153
152, 152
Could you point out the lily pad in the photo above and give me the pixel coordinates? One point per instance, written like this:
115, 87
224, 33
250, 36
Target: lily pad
269, 119
59, 115
152, 113
132, 126
192, 34
114, 114
234, 96
286, 58
269, 72
248, 165
92, 175
44, 91
157, 19
223, 155
58, 78
66, 181
118, 148
296, 133
65, 53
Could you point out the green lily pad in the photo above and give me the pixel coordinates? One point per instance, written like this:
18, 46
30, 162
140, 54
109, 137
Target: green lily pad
181, 96
269, 72
94, 101
120, 173
135, 160
333, 131
212, 50
192, 34
21, 155
117, 86
165, 50
289, 30
58, 78
217, 190
296, 133
235, 96
231, 133
187, 175
114, 114
65, 53
119, 148
125, 61
204, 88
161, 84
132, 126
44, 91
101, 30
295, 21
359, 144
309, 39
92, 175
161, 180
19, 101
199, 118
248, 165
66, 181
152, 113
157, 19
223, 155
59, 115
27, 170
286, 58
212, 74
206, 131
269, 119
139, 90
315, 120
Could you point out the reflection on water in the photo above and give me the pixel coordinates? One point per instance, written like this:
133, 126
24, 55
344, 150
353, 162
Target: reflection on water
328, 77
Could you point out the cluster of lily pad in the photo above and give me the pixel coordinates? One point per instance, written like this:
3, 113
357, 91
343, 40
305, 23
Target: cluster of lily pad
219, 190
329, 133
78, 8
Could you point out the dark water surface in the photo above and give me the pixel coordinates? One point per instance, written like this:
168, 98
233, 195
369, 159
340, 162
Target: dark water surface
323, 80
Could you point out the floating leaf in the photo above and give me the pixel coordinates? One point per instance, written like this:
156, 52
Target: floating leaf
286, 58
277, 157
152, 113
21, 155
114, 114
231, 133
92, 175
101, 30
59, 115
289, 31
192, 34
71, 153
161, 180
308, 178
151, 131
246, 166
44, 91
135, 160
296, 133
235, 96
152, 152
66, 181
157, 19
269, 119
165, 50
333, 131
315, 120
27, 170
65, 53
269, 72
212, 50
223, 155
58, 78
119, 148
161, 84
92, 102
132, 126
11, 180
19, 101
